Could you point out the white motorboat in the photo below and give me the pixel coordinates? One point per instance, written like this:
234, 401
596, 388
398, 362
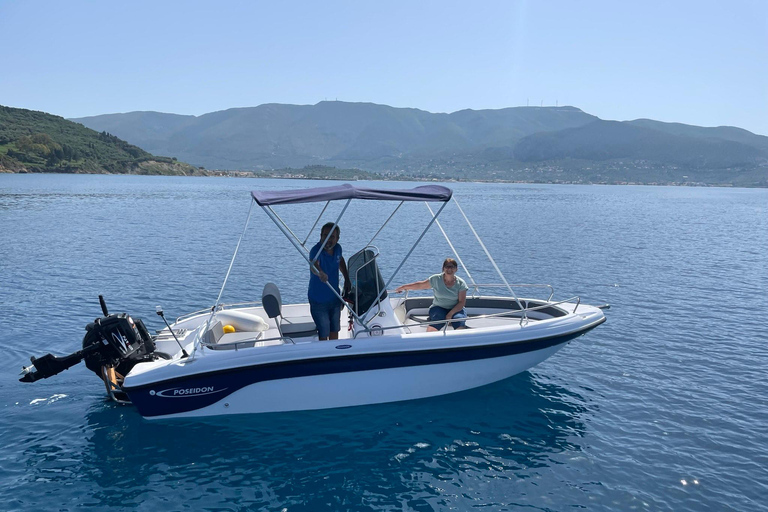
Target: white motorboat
266, 356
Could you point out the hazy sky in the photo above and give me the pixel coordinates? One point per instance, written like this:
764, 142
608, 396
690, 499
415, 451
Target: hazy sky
697, 62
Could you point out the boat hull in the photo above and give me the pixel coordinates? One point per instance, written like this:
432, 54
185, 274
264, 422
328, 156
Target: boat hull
342, 381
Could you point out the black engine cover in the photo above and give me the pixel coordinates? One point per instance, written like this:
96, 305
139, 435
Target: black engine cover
124, 342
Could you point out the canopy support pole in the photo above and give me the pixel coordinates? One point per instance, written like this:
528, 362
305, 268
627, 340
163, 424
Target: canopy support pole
455, 253
304, 243
195, 343
385, 223
432, 220
297, 244
272, 215
327, 237
250, 209
493, 262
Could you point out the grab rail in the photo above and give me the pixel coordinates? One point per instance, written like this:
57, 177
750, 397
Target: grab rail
524, 317
365, 329
255, 339
220, 307
476, 287
288, 340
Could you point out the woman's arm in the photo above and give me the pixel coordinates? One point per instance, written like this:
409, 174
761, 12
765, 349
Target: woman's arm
417, 285
459, 305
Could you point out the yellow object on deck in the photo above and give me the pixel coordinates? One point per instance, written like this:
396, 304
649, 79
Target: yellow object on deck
228, 328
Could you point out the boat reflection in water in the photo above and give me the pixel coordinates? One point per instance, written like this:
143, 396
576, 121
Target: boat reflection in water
411, 454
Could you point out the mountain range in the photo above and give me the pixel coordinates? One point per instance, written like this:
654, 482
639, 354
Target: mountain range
519, 143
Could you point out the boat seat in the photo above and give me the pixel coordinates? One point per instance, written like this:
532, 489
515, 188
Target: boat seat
217, 339
271, 300
214, 334
240, 340
236, 337
298, 327
294, 327
424, 319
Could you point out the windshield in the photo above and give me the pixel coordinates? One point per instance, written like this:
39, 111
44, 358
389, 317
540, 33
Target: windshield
367, 282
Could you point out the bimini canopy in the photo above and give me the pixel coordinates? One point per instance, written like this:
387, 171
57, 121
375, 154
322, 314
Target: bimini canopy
347, 191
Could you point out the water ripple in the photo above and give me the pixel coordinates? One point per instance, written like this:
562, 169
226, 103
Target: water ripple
661, 408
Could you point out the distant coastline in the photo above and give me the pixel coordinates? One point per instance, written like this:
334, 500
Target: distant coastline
344, 141
285, 174
518, 144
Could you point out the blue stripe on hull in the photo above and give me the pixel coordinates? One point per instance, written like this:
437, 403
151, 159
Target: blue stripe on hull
185, 394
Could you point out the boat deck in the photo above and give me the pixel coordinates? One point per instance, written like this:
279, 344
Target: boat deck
296, 325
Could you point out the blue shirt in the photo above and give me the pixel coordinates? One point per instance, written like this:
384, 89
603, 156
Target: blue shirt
318, 290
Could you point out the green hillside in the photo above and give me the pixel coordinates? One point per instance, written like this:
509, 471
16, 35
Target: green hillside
33, 141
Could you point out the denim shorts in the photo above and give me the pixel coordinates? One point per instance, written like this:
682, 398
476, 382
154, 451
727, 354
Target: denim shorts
437, 313
326, 316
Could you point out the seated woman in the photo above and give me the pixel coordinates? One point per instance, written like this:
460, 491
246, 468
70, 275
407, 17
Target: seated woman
450, 296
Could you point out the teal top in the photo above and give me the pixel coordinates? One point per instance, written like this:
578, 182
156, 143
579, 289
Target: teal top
446, 297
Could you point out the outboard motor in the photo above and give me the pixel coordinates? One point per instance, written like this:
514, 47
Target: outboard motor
113, 343
123, 341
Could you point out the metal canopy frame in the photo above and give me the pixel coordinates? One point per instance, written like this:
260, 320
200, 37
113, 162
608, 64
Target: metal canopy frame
300, 245
347, 191
302, 249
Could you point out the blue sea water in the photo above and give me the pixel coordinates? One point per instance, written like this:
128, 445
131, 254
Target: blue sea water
664, 407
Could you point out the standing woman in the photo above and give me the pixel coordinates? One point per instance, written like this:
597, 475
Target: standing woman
450, 295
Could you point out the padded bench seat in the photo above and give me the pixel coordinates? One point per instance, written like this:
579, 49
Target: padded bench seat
216, 339
298, 327
236, 337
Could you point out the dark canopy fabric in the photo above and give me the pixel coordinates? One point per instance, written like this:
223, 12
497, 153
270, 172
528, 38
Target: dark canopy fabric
347, 191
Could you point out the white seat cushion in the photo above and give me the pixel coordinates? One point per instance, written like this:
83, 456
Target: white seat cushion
236, 337
214, 334
298, 326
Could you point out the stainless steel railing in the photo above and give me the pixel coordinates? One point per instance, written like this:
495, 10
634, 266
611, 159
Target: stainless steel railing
220, 307
287, 340
250, 342
523, 319
523, 313
476, 288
